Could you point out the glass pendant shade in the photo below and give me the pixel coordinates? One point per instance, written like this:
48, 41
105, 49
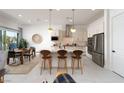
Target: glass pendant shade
50, 29
73, 29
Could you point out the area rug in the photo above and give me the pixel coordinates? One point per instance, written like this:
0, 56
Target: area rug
22, 69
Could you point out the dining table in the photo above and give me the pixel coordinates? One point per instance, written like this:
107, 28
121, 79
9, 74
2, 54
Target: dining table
20, 53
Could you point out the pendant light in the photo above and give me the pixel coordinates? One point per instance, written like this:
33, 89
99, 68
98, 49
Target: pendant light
73, 28
50, 28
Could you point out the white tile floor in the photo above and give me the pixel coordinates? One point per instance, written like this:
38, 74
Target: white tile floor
92, 74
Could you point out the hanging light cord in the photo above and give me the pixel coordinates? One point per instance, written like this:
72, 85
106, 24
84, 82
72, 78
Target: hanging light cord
50, 17
73, 17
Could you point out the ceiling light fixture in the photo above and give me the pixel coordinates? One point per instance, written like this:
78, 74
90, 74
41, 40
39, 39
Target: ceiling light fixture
46, 20
70, 20
50, 28
93, 9
29, 21
73, 28
19, 15
58, 9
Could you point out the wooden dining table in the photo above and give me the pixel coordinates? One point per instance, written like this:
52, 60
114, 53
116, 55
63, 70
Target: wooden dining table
17, 51
21, 52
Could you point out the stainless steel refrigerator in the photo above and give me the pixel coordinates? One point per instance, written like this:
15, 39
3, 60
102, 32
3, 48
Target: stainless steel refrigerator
98, 49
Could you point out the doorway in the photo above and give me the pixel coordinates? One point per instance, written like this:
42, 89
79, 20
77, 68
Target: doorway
118, 44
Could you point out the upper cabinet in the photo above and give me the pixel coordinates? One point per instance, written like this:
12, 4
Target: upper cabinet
96, 27
77, 37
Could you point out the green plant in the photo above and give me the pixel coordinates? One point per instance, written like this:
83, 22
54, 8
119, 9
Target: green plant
23, 43
4, 40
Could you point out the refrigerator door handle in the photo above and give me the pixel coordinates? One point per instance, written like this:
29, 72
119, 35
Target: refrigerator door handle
95, 38
113, 51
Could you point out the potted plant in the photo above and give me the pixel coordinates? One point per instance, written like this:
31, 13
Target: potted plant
23, 43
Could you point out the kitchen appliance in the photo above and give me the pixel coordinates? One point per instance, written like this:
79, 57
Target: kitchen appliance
89, 45
54, 38
98, 49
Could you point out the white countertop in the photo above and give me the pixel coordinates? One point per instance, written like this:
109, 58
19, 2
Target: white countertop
68, 48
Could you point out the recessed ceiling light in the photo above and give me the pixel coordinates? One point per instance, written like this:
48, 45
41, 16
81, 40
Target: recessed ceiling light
19, 15
58, 9
93, 9
38, 20
46, 20
70, 20
29, 21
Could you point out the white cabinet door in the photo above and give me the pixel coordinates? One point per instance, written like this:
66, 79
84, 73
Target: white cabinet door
118, 44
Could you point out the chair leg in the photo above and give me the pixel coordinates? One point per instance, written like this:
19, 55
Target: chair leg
41, 66
29, 58
71, 62
49, 65
14, 60
44, 63
73, 66
7, 61
78, 63
81, 67
58, 65
66, 66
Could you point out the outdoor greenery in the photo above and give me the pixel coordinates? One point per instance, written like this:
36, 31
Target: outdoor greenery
23, 43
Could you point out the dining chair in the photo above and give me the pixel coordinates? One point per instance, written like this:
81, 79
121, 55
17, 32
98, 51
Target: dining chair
76, 58
62, 57
33, 51
13, 55
46, 57
28, 53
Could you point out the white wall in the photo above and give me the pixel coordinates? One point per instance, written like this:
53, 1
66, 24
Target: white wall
7, 22
79, 37
28, 31
95, 27
42, 30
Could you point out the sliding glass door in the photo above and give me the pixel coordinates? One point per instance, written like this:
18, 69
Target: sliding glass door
8, 37
0, 39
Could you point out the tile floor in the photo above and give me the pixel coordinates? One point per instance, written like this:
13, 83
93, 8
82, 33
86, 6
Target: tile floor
92, 74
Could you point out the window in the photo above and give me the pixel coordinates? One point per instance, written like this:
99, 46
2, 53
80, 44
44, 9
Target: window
7, 37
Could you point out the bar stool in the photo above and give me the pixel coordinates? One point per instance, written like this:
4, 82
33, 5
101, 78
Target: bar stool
62, 57
46, 56
76, 57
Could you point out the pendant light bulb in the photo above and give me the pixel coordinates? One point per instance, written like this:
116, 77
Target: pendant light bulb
73, 29
50, 28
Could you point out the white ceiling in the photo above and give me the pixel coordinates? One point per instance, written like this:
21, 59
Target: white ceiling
41, 16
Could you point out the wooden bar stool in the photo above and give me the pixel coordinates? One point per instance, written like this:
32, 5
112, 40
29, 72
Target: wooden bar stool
76, 57
46, 56
62, 57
